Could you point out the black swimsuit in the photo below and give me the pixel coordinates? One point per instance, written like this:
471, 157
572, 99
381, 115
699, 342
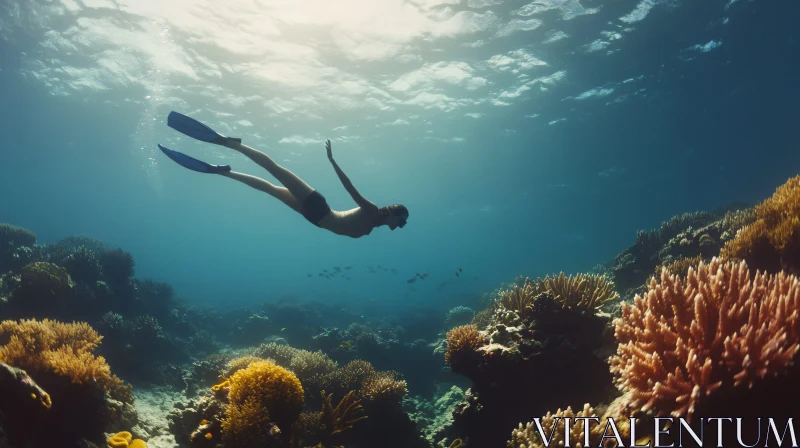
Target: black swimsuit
315, 207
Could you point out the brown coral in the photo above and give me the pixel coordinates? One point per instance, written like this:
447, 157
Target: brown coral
772, 242
684, 339
582, 292
461, 341
338, 419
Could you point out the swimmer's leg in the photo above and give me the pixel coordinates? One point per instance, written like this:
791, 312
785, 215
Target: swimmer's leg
298, 188
280, 193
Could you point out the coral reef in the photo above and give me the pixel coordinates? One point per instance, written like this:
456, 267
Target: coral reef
531, 340
459, 315
13, 241
691, 235
772, 241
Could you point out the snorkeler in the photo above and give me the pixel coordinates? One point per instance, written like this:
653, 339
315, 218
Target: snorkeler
295, 193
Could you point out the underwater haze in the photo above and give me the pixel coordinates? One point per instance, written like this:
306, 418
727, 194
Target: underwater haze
525, 138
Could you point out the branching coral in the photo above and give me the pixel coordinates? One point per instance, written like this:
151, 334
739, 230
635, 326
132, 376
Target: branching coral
684, 339
384, 387
281, 353
673, 227
261, 393
772, 241
351, 376
64, 349
527, 436
13, 236
583, 292
680, 266
237, 364
306, 364
342, 417
461, 341
518, 299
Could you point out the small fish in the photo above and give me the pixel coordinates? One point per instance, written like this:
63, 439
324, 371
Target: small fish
411, 280
203, 422
209, 436
321, 275
347, 268
324, 270
309, 275
424, 276
347, 343
457, 274
459, 269
418, 275
283, 329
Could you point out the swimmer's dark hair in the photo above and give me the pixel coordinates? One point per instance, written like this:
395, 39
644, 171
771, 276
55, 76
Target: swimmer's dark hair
393, 210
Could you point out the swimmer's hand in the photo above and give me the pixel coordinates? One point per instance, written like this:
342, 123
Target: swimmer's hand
328, 147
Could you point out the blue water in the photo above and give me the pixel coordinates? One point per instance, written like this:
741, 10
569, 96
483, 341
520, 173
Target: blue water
524, 138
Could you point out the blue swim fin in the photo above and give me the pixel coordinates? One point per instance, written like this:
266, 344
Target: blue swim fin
192, 163
195, 129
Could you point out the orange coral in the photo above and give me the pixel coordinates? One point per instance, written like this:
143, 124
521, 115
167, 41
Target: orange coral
462, 340
262, 393
61, 348
684, 339
772, 242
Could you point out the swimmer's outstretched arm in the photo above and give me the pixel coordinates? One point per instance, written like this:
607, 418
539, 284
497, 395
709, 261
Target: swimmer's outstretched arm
360, 200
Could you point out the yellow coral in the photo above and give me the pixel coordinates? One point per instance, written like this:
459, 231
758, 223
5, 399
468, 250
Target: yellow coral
772, 242
138, 443
260, 394
221, 386
120, 440
65, 349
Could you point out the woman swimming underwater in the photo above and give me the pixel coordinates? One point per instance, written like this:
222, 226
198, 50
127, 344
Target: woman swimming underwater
295, 193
